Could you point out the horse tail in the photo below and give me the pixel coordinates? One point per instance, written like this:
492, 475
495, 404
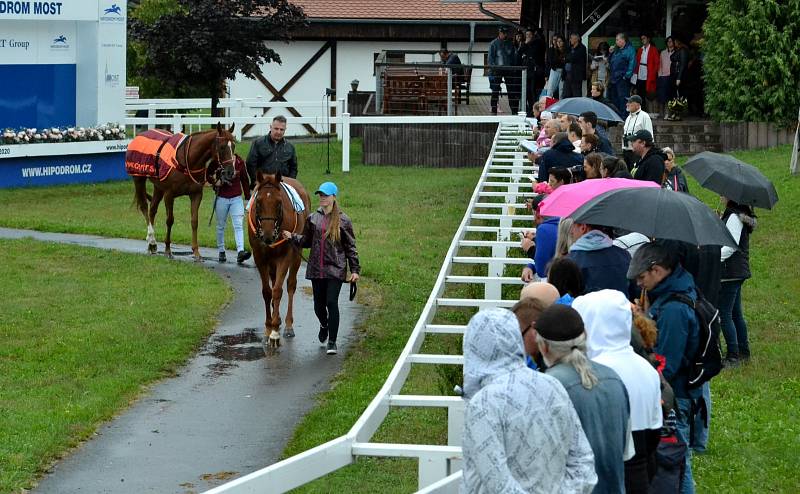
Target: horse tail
140, 197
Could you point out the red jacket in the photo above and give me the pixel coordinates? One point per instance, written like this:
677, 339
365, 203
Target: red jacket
653, 62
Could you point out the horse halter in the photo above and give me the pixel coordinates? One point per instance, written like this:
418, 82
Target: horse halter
277, 220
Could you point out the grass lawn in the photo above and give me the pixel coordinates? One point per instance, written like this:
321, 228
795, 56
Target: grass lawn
404, 221
82, 332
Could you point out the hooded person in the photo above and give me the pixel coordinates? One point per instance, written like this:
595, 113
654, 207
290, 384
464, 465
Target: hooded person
521, 432
607, 317
596, 391
603, 265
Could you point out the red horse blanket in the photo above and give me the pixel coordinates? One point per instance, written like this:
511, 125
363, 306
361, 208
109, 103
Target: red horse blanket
153, 153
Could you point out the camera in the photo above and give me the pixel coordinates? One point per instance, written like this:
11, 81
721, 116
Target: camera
627, 139
577, 172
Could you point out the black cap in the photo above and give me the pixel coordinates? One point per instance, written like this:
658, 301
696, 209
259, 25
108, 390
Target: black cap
643, 135
635, 99
559, 323
647, 256
503, 29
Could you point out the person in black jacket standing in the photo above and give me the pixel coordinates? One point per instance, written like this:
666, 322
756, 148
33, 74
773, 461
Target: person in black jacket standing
651, 162
531, 55
272, 153
575, 67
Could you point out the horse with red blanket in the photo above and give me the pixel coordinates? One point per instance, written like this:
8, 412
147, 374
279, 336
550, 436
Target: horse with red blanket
177, 165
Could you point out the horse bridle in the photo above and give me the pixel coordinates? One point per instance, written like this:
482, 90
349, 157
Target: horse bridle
277, 219
220, 164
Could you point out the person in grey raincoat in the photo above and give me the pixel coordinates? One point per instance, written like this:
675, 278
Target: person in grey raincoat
521, 431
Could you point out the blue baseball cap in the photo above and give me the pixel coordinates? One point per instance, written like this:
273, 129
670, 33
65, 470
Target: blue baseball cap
328, 189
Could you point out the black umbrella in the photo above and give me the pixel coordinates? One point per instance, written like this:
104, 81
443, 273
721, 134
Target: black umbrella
656, 213
734, 179
576, 106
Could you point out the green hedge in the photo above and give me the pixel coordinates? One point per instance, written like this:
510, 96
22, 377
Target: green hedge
752, 60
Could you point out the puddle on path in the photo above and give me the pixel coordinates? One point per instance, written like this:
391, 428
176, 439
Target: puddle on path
233, 348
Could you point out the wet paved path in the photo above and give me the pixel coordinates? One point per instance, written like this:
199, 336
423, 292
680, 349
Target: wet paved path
230, 410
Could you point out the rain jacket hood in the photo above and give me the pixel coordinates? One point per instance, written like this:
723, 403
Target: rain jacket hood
607, 317
492, 347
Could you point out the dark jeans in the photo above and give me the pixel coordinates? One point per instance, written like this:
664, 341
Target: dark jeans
534, 88
619, 93
641, 90
572, 88
734, 327
326, 304
512, 82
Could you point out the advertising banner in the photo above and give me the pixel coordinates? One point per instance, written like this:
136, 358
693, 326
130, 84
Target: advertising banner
60, 10
59, 170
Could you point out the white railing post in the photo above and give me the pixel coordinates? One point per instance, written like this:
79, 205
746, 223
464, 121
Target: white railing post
176, 123
240, 112
340, 110
455, 430
523, 101
345, 133
151, 114
431, 470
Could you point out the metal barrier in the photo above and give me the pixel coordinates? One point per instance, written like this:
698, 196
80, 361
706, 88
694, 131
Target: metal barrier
504, 179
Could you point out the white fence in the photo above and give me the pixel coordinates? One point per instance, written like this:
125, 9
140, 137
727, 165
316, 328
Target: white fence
188, 123
439, 465
191, 108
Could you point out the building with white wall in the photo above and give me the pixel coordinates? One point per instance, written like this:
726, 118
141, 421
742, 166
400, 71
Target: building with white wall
344, 37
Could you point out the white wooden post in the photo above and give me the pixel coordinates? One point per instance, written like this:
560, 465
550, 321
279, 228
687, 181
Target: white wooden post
151, 114
340, 110
455, 430
237, 131
176, 123
345, 133
431, 470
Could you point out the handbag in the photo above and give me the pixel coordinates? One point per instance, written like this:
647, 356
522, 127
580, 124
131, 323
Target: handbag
678, 105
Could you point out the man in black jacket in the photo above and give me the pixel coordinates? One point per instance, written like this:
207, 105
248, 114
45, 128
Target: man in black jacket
272, 153
651, 159
531, 55
575, 68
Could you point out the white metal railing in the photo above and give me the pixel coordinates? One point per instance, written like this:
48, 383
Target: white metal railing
439, 465
506, 159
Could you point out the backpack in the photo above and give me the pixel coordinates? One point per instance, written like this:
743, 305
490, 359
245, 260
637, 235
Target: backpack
707, 361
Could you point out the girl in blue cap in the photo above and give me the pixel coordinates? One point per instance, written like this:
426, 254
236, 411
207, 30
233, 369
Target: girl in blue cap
329, 234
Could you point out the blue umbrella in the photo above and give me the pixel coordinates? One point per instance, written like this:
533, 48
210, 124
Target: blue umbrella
576, 106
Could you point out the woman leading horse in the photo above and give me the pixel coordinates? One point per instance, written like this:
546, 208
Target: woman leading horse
329, 234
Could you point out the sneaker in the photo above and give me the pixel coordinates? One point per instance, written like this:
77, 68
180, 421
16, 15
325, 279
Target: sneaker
242, 256
323, 334
332, 348
731, 360
222, 257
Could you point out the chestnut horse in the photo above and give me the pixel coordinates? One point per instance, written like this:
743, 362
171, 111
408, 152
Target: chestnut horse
198, 154
276, 258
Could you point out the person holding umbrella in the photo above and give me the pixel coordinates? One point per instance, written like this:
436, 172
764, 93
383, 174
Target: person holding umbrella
741, 187
741, 222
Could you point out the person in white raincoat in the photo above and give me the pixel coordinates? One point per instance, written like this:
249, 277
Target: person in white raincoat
521, 432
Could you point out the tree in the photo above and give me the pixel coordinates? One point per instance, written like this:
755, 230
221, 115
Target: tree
751, 60
205, 42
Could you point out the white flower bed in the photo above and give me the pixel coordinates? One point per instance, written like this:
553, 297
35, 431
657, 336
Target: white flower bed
107, 132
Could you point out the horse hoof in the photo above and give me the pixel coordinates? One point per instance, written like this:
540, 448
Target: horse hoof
152, 249
169, 255
274, 339
198, 259
288, 333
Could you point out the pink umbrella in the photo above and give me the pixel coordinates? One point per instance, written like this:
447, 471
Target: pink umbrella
567, 198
